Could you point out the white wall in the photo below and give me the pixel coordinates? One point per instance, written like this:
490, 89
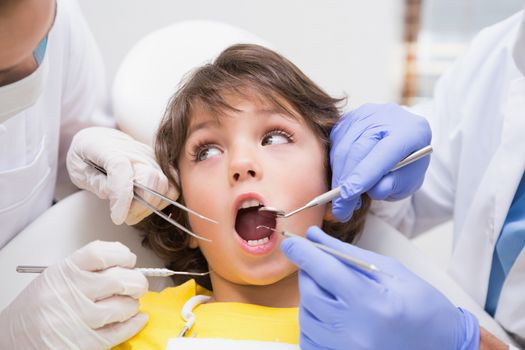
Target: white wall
348, 46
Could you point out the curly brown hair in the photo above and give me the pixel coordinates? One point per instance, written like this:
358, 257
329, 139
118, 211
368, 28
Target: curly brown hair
245, 70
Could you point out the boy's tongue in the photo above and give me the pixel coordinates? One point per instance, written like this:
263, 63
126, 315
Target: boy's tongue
247, 221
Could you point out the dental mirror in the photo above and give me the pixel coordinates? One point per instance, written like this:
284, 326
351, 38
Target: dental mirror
332, 194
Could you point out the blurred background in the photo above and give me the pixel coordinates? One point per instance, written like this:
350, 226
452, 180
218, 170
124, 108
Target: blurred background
370, 51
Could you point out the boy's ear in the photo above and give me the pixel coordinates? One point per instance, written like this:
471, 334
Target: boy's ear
194, 243
328, 216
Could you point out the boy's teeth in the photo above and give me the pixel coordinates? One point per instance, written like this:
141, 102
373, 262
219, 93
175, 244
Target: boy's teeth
253, 243
250, 203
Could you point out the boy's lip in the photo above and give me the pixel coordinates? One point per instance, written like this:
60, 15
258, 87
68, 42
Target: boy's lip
246, 196
262, 249
274, 238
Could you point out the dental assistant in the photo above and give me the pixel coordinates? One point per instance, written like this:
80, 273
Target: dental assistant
476, 177
52, 85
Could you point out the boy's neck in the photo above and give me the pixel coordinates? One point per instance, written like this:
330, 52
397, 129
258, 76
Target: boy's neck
284, 293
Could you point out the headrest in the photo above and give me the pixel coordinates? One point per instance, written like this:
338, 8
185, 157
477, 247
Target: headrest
150, 73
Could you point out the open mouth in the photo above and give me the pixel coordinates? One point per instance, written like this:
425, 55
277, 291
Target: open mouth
252, 226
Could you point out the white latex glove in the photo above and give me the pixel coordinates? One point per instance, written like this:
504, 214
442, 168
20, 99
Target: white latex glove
124, 160
87, 301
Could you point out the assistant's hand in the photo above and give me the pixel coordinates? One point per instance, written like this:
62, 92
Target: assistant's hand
87, 301
365, 145
343, 308
124, 160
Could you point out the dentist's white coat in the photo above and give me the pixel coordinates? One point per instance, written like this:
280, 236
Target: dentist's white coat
33, 143
478, 122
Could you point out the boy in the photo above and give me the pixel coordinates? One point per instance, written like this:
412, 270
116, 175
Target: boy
248, 130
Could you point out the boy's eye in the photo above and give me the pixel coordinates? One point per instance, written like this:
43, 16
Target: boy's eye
206, 151
276, 137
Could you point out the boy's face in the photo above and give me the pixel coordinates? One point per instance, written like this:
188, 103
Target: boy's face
229, 166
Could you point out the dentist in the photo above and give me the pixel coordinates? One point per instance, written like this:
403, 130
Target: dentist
52, 85
476, 177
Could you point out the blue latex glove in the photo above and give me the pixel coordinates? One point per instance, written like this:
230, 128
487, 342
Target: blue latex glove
344, 308
365, 145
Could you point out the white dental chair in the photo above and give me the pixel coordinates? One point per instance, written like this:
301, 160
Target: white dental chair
147, 78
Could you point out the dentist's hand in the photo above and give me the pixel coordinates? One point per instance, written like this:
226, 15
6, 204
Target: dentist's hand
342, 308
365, 145
124, 160
87, 301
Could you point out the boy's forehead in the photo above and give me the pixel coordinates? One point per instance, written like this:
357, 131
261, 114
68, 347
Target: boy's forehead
236, 104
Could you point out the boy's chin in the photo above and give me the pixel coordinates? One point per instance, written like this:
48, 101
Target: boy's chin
262, 275
269, 278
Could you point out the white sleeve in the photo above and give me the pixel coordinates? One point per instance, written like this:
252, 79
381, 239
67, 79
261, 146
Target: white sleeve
85, 94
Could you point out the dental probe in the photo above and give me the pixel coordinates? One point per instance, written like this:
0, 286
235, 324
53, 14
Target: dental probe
160, 213
350, 259
336, 192
152, 192
353, 261
146, 271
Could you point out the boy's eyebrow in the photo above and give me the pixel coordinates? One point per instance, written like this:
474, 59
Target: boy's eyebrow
279, 111
215, 122
202, 125
270, 111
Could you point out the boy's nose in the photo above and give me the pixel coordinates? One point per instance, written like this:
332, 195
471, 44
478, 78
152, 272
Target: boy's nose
239, 176
244, 168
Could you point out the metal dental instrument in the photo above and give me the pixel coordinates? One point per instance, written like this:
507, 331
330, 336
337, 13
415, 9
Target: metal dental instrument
330, 195
155, 210
148, 272
351, 260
